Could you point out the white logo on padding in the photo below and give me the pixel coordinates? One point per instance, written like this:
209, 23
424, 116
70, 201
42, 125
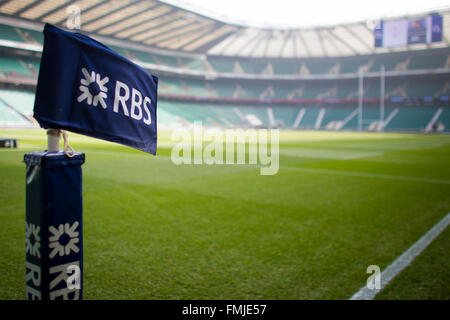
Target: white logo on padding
92, 80
33, 248
55, 243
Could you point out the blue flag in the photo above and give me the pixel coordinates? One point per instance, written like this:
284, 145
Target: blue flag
87, 88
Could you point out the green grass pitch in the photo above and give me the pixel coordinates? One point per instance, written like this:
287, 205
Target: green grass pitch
339, 203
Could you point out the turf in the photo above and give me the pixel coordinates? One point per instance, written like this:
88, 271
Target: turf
340, 202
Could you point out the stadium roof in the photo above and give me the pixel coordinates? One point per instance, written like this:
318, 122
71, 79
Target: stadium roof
166, 27
306, 14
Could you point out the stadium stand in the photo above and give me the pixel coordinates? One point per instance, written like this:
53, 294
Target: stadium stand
224, 79
9, 117
412, 119
10, 33
21, 101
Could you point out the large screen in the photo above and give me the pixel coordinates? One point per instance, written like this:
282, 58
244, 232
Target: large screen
403, 32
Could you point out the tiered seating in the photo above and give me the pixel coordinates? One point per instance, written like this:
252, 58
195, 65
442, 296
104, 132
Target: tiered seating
165, 117
286, 114
30, 64
396, 61
21, 35
390, 62
290, 92
196, 88
430, 59
260, 112
407, 118
444, 89
9, 65
294, 90
251, 91
13, 103
320, 66
412, 118
333, 114
210, 115
371, 90
193, 64
353, 66
427, 60
9, 33
317, 90
170, 86
180, 110
224, 114
224, 89
281, 67
139, 56
21, 101
31, 36
121, 51
423, 88
253, 66
169, 61
309, 118
370, 114
206, 114
221, 65
444, 118
11, 118
183, 87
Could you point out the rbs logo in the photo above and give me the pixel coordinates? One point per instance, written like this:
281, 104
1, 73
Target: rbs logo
93, 89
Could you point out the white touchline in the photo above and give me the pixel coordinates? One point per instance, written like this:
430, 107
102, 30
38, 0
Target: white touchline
368, 175
403, 261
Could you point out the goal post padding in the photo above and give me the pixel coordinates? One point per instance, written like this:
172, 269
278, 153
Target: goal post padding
54, 237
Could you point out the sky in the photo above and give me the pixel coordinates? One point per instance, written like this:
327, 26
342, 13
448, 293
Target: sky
300, 13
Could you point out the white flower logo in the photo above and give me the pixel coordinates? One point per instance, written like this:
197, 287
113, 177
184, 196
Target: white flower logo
96, 84
54, 240
33, 248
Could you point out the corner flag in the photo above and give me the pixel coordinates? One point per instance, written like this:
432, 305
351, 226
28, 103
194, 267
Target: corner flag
87, 88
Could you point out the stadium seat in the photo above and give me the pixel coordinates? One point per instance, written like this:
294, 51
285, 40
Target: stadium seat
11, 118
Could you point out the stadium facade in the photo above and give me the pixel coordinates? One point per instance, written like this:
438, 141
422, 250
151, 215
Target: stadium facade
324, 78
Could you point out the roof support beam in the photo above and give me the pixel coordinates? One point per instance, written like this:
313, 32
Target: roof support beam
302, 40
345, 43
286, 38
258, 40
119, 5
358, 37
248, 43
135, 21
119, 15
324, 49
53, 10
18, 12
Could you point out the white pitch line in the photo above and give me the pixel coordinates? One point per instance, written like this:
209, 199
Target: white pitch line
403, 261
368, 175
327, 154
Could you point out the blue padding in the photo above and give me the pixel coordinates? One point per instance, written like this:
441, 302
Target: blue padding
54, 238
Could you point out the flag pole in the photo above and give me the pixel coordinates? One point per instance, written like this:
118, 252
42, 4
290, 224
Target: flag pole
53, 136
